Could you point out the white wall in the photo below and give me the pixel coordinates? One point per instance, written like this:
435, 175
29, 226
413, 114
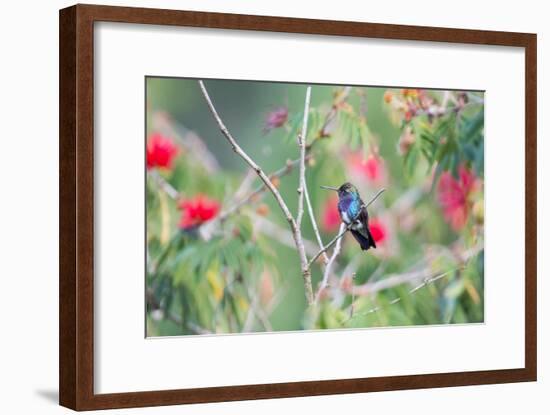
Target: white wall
28, 217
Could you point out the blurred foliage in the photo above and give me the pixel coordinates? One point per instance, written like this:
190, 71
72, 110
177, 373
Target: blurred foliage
205, 275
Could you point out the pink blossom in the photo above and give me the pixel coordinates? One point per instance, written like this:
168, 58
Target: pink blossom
453, 196
275, 119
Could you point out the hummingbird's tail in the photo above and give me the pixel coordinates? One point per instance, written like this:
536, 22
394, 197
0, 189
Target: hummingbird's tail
364, 241
371, 239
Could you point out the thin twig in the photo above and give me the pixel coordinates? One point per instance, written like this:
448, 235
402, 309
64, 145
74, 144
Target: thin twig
394, 280
255, 309
175, 195
335, 253
332, 242
164, 185
241, 153
341, 234
290, 164
376, 196
280, 233
306, 272
314, 223
207, 228
396, 300
284, 236
303, 190
302, 146
245, 186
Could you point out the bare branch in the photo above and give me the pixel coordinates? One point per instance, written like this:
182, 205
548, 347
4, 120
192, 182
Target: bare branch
290, 164
387, 282
245, 186
302, 146
174, 194
255, 310
241, 153
207, 228
373, 199
327, 246
335, 253
396, 300
314, 223
303, 190
164, 185
280, 233
394, 280
306, 272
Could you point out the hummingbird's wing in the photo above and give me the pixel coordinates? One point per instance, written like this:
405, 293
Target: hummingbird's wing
361, 230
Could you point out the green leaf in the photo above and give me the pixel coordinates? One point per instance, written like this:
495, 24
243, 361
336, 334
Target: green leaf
472, 128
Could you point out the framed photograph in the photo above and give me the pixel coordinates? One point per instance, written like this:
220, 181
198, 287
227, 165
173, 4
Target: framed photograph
259, 207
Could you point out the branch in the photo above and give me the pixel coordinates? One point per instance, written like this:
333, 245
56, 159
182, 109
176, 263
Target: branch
164, 185
174, 194
284, 236
302, 145
290, 164
314, 224
388, 282
280, 233
206, 229
394, 280
256, 310
245, 185
306, 272
376, 196
241, 153
341, 234
327, 246
303, 190
335, 253
426, 281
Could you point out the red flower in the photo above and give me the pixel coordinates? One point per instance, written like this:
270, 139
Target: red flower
197, 210
378, 230
331, 217
372, 168
160, 151
453, 196
275, 119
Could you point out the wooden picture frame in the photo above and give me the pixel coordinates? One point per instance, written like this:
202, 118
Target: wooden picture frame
76, 175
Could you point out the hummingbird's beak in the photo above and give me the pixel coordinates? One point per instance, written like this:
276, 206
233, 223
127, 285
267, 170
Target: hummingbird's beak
329, 188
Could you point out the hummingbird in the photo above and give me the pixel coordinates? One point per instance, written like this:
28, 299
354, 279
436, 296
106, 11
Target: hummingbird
353, 211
